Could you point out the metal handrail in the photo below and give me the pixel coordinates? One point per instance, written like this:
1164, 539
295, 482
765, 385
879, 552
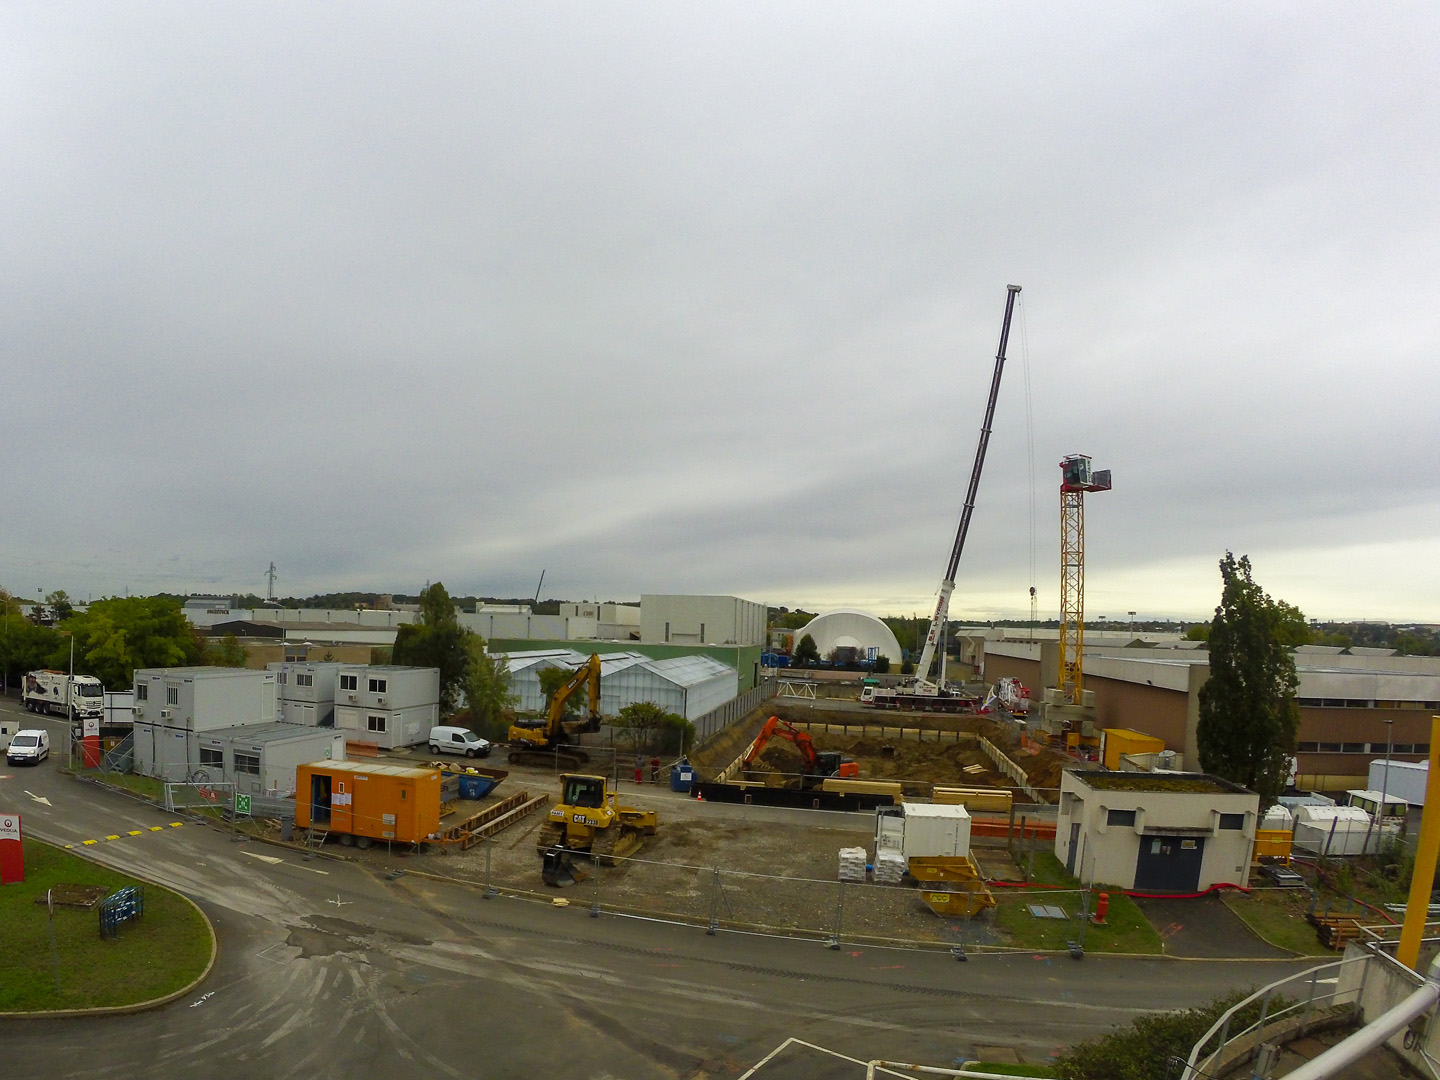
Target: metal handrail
1196, 1066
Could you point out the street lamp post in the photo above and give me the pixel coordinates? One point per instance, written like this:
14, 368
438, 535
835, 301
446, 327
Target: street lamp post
1385, 780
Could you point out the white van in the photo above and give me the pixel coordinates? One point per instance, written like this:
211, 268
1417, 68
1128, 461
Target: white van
458, 740
29, 746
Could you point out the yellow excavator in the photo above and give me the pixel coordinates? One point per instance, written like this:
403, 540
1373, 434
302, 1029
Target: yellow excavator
547, 742
588, 818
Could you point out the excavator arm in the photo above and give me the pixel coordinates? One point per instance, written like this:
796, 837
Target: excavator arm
586, 675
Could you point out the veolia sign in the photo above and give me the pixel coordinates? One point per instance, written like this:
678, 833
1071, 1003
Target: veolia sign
12, 854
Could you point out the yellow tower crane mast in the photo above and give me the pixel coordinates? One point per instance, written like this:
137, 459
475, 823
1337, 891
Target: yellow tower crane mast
1076, 478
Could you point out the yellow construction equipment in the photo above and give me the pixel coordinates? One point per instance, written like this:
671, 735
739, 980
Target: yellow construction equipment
589, 819
547, 742
951, 884
1076, 478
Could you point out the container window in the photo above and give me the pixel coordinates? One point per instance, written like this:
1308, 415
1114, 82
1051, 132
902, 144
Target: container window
172, 695
212, 757
247, 763
377, 686
349, 682
142, 692
375, 723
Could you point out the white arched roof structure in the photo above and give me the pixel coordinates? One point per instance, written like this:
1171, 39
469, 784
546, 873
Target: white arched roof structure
855, 629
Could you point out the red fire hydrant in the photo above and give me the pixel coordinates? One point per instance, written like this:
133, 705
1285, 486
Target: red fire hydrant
1102, 905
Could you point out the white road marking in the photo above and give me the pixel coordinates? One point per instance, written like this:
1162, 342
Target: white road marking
38, 798
263, 858
203, 998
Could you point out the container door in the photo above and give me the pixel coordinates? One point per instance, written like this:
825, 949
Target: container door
319, 800
342, 807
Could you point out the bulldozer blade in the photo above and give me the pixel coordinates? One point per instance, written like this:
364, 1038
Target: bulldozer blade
557, 870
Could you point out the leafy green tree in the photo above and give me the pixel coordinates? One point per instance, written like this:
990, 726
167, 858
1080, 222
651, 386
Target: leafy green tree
806, 651
437, 640
487, 690
1291, 629
1198, 632
646, 724
1145, 1048
227, 652
882, 665
59, 602
551, 680
1248, 715
118, 635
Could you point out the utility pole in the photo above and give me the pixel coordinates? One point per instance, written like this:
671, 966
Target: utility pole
270, 592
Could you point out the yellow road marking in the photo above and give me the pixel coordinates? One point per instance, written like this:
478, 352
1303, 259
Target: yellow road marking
113, 836
157, 828
176, 824
134, 832
87, 843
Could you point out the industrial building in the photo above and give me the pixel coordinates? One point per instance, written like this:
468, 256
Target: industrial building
260, 759
701, 620
689, 686
175, 705
386, 705
1353, 703
306, 692
1170, 833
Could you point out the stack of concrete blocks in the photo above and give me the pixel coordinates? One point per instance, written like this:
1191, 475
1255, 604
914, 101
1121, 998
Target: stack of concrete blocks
852, 864
890, 867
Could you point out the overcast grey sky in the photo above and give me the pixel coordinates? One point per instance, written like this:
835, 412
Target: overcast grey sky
684, 298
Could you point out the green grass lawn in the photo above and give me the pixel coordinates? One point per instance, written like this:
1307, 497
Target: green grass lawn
160, 953
147, 786
1005, 1069
1278, 916
1126, 930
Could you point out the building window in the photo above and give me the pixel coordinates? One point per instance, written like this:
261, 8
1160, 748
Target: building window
1120, 817
349, 682
172, 695
377, 686
212, 757
1307, 747
1330, 748
247, 763
1422, 748
1232, 821
1352, 748
375, 723
142, 692
304, 680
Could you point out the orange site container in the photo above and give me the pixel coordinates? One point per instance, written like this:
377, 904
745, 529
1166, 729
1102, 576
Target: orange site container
1117, 741
365, 798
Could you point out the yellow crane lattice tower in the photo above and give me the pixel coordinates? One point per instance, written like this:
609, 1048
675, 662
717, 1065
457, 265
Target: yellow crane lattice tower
1076, 478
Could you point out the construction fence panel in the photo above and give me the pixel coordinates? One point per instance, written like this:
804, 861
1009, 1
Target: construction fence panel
667, 890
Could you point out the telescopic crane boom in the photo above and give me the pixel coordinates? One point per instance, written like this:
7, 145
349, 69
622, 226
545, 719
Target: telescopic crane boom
947, 584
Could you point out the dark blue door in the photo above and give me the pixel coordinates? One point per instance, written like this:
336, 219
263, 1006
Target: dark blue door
1169, 864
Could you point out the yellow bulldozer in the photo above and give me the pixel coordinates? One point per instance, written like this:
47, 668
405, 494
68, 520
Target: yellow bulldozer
588, 819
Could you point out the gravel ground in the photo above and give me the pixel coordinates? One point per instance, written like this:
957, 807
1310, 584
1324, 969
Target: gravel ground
740, 866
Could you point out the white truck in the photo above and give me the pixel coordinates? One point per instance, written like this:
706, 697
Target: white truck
76, 696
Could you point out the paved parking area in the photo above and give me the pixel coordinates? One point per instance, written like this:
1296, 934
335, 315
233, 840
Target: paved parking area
1205, 928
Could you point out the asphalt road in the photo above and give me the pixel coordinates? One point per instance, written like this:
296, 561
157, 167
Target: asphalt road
328, 969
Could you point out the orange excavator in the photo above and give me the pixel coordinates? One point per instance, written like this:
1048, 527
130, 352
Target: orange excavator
819, 764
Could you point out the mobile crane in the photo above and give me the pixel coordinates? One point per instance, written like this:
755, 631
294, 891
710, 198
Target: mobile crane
922, 693
818, 764
548, 741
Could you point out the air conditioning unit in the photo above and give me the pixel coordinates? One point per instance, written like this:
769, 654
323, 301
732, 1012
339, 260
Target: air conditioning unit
384, 702
166, 714
353, 696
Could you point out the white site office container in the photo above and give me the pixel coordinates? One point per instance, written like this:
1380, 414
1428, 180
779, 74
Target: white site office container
920, 830
387, 705
1407, 780
306, 691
